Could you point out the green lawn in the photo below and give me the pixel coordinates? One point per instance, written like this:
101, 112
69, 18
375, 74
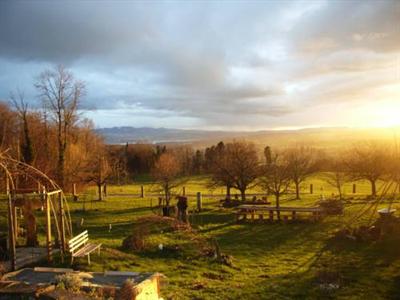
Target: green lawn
270, 261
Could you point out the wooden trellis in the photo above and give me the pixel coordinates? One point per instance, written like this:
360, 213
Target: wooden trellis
53, 201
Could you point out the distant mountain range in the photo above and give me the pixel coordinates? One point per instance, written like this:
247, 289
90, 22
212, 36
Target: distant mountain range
318, 137
118, 135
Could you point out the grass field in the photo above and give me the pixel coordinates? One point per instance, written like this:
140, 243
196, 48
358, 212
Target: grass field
269, 261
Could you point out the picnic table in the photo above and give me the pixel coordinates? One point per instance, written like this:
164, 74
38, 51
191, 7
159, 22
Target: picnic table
251, 212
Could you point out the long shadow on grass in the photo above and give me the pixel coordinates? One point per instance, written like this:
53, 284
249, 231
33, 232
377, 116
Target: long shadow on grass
100, 211
245, 239
356, 266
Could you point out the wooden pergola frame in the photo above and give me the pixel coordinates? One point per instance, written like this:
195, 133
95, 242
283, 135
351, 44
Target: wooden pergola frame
52, 196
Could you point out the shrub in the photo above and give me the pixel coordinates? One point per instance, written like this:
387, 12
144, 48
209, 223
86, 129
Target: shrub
136, 241
128, 290
332, 206
145, 226
69, 282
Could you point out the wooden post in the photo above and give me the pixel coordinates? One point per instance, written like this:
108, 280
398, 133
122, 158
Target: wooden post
11, 233
7, 186
15, 218
354, 188
294, 215
62, 222
184, 191
142, 191
199, 201
311, 188
48, 229
74, 190
271, 215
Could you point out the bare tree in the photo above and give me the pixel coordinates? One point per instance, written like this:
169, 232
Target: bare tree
336, 175
276, 177
302, 164
166, 172
368, 162
61, 94
22, 108
100, 173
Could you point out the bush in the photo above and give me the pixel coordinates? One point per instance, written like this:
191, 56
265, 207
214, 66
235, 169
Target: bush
128, 290
69, 282
332, 206
145, 226
136, 241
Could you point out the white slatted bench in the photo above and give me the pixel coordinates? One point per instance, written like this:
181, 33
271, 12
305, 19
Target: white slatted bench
79, 246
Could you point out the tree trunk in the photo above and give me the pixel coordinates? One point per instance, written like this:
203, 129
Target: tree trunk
340, 192
61, 153
373, 188
297, 184
228, 192
278, 213
166, 208
99, 189
243, 194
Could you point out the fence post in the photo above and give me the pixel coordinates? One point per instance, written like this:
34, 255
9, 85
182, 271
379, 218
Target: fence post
7, 185
354, 188
11, 233
311, 188
141, 191
48, 229
199, 201
184, 191
62, 223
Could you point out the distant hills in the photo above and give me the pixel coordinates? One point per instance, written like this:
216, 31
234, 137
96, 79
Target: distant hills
118, 135
317, 137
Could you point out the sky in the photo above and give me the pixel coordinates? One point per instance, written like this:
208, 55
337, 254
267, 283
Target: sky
226, 65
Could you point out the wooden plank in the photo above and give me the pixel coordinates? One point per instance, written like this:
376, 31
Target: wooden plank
82, 240
273, 208
11, 232
53, 192
77, 246
79, 235
52, 270
120, 273
48, 230
62, 223
87, 249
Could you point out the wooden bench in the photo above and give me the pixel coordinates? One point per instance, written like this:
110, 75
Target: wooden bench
249, 212
79, 246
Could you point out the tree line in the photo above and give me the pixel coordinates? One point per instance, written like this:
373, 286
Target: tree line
239, 165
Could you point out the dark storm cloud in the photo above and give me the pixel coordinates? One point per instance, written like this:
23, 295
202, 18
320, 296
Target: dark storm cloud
206, 61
